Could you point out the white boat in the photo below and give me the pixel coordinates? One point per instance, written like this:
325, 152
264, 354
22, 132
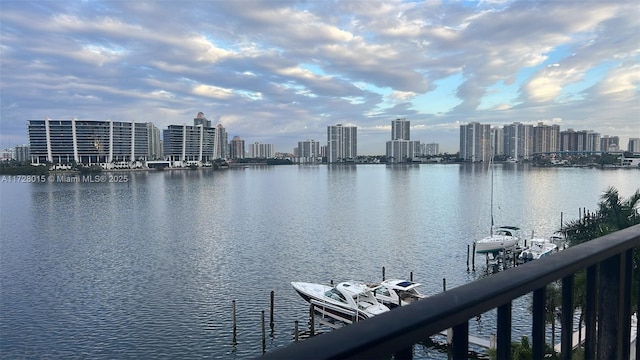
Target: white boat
396, 292
537, 249
504, 237
348, 301
559, 239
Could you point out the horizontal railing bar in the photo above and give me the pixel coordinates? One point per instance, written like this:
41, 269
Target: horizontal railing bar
381, 335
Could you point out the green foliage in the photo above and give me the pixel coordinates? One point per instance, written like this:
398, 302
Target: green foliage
93, 169
15, 168
522, 351
614, 213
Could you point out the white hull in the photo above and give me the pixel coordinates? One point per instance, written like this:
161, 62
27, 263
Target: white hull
395, 292
347, 301
495, 243
538, 249
505, 237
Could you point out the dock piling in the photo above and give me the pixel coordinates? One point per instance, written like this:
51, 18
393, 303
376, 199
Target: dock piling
271, 310
233, 314
467, 257
295, 331
264, 335
473, 258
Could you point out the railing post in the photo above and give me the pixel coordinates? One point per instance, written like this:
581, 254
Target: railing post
538, 329
624, 319
608, 303
590, 313
460, 341
503, 350
566, 318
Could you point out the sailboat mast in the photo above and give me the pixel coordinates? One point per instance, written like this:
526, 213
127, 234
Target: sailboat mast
491, 170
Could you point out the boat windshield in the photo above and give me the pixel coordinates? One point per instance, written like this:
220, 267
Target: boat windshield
335, 295
382, 291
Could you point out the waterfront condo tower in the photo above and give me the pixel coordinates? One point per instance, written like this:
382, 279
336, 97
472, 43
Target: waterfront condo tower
342, 143
401, 149
90, 141
236, 148
475, 142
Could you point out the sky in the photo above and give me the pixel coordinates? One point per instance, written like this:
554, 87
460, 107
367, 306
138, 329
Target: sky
280, 72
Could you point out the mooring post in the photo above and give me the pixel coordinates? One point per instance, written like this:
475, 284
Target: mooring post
233, 314
264, 335
295, 331
383, 270
411, 276
467, 257
271, 310
444, 284
473, 258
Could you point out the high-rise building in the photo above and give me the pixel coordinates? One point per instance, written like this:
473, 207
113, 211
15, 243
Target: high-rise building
518, 141
497, 141
186, 143
342, 143
546, 138
7, 154
200, 119
400, 129
155, 143
221, 149
633, 145
592, 142
308, 151
609, 143
22, 153
87, 141
236, 148
582, 140
261, 151
430, 149
475, 142
401, 149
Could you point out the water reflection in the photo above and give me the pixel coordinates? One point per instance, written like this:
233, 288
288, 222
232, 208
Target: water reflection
149, 268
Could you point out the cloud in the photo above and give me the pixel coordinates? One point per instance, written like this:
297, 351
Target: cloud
282, 71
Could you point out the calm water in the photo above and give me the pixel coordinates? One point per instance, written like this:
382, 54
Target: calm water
149, 268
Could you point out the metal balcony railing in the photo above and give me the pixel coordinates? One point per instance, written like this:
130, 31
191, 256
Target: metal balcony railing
609, 266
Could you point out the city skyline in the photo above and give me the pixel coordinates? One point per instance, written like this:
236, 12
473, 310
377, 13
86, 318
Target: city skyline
204, 142
279, 72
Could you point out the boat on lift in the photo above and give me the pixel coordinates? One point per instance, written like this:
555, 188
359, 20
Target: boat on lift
537, 249
397, 292
348, 301
504, 237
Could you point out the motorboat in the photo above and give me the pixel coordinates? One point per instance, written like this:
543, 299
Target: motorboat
348, 301
537, 249
397, 292
559, 239
504, 237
